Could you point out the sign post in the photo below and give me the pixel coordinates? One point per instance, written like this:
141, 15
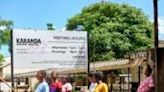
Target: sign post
12, 63
155, 6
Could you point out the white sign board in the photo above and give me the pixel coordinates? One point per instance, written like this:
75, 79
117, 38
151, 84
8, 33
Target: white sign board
44, 49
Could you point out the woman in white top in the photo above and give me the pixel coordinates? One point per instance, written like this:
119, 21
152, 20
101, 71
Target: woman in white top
92, 79
93, 84
67, 87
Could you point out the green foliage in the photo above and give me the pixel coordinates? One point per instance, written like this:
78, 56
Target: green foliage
4, 34
50, 26
4, 37
1, 58
114, 29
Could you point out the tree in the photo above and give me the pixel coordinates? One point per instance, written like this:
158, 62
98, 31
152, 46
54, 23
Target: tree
114, 29
4, 33
1, 58
50, 26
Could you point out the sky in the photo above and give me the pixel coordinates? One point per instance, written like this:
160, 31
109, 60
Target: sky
35, 14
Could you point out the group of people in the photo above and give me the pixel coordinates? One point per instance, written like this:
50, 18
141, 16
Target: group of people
96, 83
64, 85
54, 85
95, 79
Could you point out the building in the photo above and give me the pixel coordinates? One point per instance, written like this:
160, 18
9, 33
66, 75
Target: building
161, 43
